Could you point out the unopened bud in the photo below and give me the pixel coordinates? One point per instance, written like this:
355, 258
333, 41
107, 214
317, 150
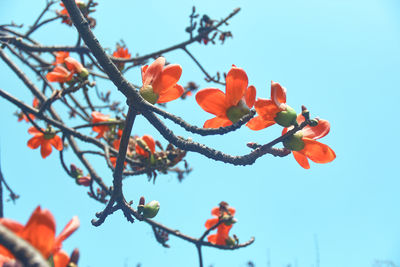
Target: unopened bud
75, 171
74, 256
151, 209
85, 180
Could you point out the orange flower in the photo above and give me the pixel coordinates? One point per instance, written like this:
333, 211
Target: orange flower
40, 233
100, 129
222, 234
274, 110
64, 13
59, 74
22, 116
45, 141
60, 57
121, 52
303, 144
159, 82
231, 106
145, 142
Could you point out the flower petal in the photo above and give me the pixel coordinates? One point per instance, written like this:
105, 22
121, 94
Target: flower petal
40, 231
212, 100
236, 85
250, 96
258, 123
169, 77
212, 238
61, 259
318, 131
73, 65
266, 108
217, 122
170, 93
301, 159
12, 225
317, 152
32, 130
153, 71
56, 142
278, 95
150, 142
211, 222
70, 228
45, 149
35, 142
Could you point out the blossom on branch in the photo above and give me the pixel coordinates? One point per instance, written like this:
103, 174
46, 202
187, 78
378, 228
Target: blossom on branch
22, 116
160, 83
100, 129
225, 213
274, 110
59, 74
62, 75
304, 146
40, 232
145, 146
231, 106
45, 140
121, 52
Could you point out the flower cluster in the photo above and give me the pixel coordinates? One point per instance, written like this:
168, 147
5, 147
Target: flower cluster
40, 232
65, 69
238, 99
224, 218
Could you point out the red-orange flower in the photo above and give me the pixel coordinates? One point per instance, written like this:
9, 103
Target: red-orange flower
145, 142
159, 82
100, 129
22, 116
222, 234
45, 141
268, 109
60, 57
40, 233
231, 106
59, 74
309, 147
121, 52
64, 12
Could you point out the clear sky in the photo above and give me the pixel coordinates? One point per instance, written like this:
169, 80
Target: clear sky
340, 58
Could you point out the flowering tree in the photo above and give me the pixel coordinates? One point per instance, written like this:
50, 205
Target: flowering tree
63, 95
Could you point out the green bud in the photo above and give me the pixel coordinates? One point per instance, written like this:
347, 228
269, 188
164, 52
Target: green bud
48, 135
286, 117
151, 209
230, 241
235, 113
84, 73
148, 94
294, 142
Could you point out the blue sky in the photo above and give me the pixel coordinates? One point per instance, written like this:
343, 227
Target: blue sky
339, 58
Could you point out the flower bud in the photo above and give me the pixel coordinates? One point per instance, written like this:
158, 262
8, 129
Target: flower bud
84, 73
294, 142
85, 181
235, 113
286, 117
75, 171
230, 241
148, 94
74, 256
151, 209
